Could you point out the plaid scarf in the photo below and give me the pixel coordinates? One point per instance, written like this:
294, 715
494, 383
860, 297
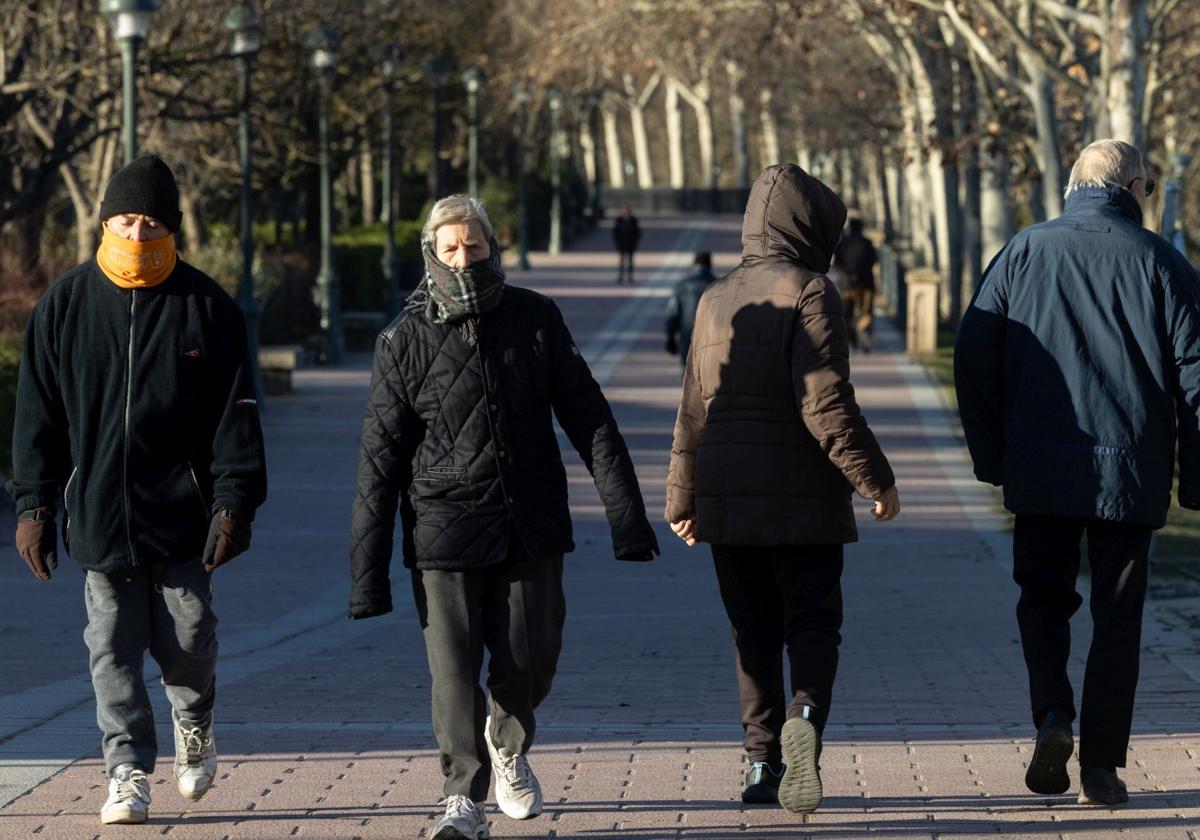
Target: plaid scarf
458, 295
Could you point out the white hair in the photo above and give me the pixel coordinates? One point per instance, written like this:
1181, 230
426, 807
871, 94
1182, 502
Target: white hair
1106, 163
456, 210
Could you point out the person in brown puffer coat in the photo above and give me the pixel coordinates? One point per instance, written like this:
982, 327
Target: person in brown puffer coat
769, 447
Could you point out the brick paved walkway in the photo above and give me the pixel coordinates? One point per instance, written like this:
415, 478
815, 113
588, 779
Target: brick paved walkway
323, 724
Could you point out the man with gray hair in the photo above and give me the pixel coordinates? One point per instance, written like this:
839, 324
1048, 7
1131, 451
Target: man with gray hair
1077, 368
459, 436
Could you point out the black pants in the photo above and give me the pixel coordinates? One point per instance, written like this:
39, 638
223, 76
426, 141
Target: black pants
516, 610
1046, 563
788, 596
625, 267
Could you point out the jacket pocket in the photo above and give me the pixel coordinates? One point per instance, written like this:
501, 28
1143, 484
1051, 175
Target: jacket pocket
454, 474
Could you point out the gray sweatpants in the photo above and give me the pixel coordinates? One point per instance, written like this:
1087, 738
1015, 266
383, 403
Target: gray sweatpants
168, 611
516, 610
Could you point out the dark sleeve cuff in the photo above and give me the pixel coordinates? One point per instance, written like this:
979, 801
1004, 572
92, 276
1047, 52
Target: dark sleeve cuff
370, 609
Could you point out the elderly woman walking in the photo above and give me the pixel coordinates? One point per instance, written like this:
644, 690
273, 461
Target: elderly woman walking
459, 435
769, 446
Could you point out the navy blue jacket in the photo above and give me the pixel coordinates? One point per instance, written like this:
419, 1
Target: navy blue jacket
1077, 366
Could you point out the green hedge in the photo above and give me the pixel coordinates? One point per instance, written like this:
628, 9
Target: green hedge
358, 260
10, 358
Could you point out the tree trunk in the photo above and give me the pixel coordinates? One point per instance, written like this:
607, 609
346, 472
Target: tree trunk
893, 184
770, 131
848, 180
674, 134
612, 144
641, 146
1127, 35
587, 143
995, 216
193, 224
699, 97
366, 174
737, 124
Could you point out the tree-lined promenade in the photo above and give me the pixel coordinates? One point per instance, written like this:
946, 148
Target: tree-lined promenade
950, 125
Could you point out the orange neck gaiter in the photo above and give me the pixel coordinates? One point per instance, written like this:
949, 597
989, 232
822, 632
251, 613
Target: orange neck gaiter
136, 265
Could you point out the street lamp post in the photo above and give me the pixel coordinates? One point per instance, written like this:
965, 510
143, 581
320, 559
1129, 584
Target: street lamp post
245, 22
521, 96
438, 69
554, 100
322, 43
130, 21
473, 80
391, 59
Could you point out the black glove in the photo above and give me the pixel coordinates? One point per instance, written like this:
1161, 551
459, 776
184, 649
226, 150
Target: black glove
228, 536
36, 541
672, 345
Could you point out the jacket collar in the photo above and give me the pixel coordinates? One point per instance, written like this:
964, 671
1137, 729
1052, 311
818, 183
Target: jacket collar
1119, 198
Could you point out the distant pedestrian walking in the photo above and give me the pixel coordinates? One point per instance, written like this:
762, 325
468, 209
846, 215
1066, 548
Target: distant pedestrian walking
135, 403
769, 445
1077, 368
856, 256
459, 435
681, 308
626, 236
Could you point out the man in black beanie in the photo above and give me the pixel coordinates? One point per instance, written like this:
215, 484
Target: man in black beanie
136, 412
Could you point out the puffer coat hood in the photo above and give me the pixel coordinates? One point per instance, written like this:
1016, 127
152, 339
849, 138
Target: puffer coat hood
792, 215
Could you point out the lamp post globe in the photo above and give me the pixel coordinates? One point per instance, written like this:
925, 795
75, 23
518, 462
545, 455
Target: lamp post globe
322, 44
130, 20
245, 24
390, 58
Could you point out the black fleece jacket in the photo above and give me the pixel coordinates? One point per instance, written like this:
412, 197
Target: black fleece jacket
137, 406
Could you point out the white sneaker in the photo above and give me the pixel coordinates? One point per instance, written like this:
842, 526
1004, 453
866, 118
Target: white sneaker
195, 758
464, 820
128, 800
517, 790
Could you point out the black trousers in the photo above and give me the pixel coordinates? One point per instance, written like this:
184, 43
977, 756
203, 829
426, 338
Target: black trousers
1046, 556
516, 610
625, 267
776, 598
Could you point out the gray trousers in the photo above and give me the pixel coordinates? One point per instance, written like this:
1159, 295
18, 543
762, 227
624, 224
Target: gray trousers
516, 610
168, 611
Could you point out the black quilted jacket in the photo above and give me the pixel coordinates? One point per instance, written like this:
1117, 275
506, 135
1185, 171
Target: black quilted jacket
461, 438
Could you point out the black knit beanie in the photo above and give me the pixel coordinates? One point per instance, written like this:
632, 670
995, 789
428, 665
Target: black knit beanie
144, 186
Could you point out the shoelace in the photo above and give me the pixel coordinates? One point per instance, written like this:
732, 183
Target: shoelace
132, 788
516, 771
460, 806
194, 743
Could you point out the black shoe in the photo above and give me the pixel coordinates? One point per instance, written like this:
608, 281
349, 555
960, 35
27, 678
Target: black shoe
1101, 786
800, 788
1047, 773
762, 784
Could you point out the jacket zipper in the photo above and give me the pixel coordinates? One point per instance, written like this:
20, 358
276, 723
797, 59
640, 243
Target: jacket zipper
128, 409
199, 493
67, 490
487, 403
